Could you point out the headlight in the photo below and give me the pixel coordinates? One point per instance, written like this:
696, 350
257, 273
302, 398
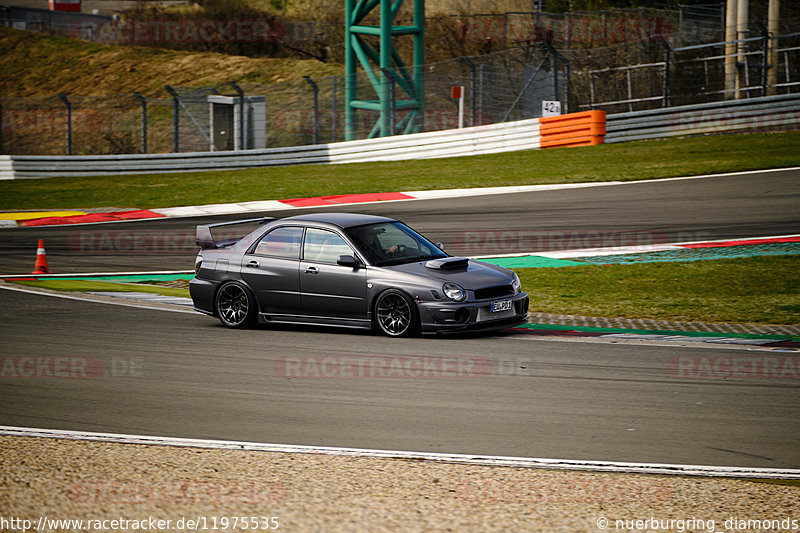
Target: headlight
516, 284
454, 291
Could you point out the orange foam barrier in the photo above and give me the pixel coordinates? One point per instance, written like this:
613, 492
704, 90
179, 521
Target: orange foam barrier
586, 128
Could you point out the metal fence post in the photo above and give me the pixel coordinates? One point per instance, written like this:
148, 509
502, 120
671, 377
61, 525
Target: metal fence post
316, 108
667, 64
240, 92
557, 56
68, 104
176, 110
764, 56
333, 112
143, 101
555, 76
568, 69
480, 94
473, 88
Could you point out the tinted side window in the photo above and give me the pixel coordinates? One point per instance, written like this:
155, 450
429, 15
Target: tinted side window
281, 242
323, 246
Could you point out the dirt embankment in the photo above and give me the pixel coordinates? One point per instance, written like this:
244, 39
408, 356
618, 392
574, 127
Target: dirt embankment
35, 64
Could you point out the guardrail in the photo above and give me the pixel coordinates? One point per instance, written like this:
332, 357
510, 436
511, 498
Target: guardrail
503, 137
768, 113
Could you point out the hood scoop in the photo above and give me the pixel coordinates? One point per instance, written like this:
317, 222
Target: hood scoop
447, 263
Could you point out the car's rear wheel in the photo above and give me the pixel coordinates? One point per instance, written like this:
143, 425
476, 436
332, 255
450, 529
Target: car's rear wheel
234, 306
395, 314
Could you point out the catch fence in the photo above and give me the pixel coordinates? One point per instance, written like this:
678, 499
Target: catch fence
499, 87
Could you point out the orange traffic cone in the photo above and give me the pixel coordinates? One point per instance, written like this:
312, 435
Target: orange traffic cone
41, 260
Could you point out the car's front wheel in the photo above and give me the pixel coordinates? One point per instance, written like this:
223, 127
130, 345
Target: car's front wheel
395, 314
234, 306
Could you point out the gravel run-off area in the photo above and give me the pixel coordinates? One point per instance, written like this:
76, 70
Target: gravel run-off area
99, 482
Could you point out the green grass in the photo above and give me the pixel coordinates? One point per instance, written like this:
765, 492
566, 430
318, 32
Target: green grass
762, 290
102, 286
624, 161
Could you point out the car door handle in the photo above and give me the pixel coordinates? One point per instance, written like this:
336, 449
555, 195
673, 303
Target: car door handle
312, 270
253, 264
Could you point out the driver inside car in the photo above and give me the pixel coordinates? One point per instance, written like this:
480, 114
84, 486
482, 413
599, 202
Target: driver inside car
372, 246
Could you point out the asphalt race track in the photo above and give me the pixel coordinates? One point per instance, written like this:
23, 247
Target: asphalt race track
751, 205
181, 374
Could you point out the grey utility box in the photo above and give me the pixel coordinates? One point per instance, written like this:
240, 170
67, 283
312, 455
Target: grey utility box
234, 127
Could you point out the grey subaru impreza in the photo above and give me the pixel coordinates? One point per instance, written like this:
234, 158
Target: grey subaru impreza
348, 270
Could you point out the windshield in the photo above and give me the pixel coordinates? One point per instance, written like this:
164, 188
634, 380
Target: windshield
393, 243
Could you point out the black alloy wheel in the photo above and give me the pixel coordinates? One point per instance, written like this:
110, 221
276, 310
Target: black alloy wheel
395, 314
234, 306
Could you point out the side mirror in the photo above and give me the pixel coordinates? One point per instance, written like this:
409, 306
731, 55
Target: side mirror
440, 245
348, 261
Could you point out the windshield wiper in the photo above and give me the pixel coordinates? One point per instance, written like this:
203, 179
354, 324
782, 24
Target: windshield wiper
406, 260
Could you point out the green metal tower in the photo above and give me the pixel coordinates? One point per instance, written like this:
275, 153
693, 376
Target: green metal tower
397, 89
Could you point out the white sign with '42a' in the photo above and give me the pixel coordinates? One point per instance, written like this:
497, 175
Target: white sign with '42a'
551, 108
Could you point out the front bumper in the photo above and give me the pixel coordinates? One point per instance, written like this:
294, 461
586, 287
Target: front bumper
449, 316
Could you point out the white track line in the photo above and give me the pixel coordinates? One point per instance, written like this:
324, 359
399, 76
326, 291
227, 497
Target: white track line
654, 344
97, 274
487, 460
97, 301
624, 250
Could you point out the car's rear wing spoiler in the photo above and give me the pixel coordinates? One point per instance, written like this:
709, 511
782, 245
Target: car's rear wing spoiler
206, 240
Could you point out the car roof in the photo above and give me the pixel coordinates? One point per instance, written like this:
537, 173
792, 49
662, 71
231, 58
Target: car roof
343, 220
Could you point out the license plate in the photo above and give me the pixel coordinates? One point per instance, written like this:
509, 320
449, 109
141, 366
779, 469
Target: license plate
505, 305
